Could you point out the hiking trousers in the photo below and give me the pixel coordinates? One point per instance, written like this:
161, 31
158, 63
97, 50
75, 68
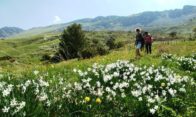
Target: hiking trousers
148, 48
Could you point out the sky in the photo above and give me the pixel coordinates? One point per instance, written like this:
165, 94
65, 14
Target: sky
33, 13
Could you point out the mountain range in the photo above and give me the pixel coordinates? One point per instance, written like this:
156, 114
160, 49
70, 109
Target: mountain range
147, 20
9, 31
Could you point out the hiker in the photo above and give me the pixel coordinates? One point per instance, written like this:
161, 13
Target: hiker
143, 42
138, 42
148, 42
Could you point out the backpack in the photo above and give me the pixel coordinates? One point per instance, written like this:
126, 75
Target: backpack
148, 39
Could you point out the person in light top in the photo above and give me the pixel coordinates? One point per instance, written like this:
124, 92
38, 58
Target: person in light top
139, 41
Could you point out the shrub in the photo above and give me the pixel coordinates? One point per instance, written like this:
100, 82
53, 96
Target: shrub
56, 58
173, 34
94, 47
119, 44
102, 49
111, 42
45, 57
89, 52
194, 31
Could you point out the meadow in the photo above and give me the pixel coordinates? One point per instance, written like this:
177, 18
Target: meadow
161, 84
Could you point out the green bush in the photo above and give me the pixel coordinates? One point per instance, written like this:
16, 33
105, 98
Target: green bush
94, 47
120, 44
111, 42
88, 52
45, 57
72, 41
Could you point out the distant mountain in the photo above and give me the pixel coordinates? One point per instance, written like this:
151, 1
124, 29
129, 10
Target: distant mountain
151, 20
9, 31
186, 27
145, 19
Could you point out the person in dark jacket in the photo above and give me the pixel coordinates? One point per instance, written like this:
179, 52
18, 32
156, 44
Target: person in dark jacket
138, 42
148, 42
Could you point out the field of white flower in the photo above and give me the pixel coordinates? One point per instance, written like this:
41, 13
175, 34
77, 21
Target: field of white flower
186, 63
116, 89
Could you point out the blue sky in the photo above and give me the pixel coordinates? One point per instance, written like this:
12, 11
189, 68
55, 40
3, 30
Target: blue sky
32, 13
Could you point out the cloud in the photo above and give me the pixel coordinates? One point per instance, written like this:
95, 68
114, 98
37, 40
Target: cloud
57, 19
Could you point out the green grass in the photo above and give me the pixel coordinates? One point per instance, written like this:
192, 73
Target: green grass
27, 53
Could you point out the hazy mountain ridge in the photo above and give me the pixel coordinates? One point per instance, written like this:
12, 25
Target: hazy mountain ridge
149, 19
9, 31
145, 19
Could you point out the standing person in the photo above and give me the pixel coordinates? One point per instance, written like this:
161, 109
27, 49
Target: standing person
138, 42
148, 42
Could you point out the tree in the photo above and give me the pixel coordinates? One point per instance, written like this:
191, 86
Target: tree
72, 42
173, 34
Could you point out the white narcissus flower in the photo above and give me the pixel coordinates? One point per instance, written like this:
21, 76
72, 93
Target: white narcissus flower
13, 103
152, 111
36, 72
150, 100
123, 95
43, 96
113, 93
20, 106
171, 92
108, 89
107, 78
115, 74
136, 93
157, 98
144, 89
140, 99
116, 85
163, 92
5, 109
156, 107
43, 83
98, 84
75, 70
48, 103
27, 83
89, 69
8, 90
182, 90
125, 77
99, 92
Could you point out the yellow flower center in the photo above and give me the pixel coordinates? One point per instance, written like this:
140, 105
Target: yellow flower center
162, 84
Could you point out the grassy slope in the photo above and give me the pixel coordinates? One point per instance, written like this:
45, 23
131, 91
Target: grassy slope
25, 52
28, 52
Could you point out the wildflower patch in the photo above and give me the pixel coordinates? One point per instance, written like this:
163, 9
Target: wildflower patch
119, 88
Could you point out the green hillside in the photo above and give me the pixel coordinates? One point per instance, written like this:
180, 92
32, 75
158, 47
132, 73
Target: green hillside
28, 52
